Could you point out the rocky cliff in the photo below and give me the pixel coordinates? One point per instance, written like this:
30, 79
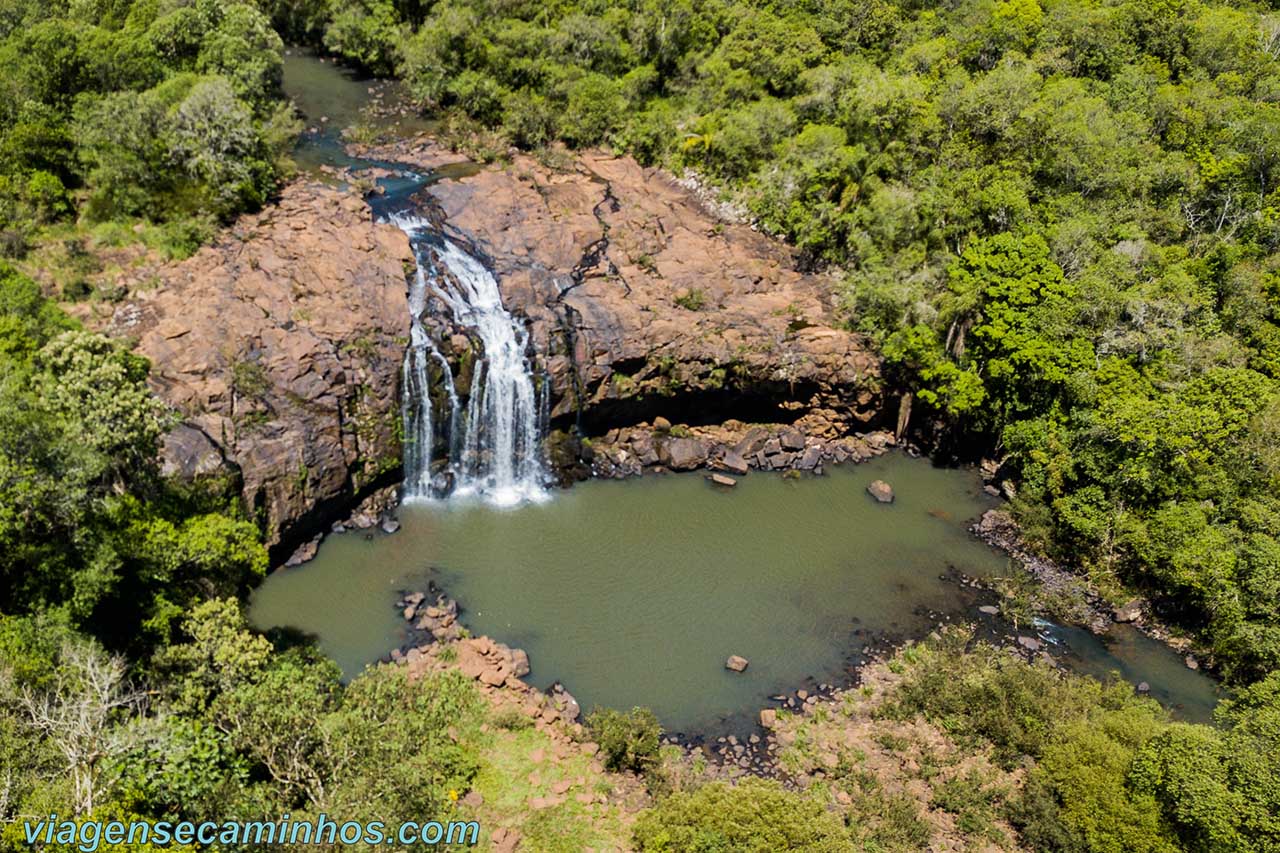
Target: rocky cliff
281, 345
644, 305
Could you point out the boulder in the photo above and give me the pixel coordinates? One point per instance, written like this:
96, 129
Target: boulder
306, 551
722, 480
733, 462
737, 663
881, 491
1031, 644
1191, 662
661, 424
1130, 611
810, 459
768, 718
682, 454
519, 663
989, 610
1144, 687
792, 439
390, 525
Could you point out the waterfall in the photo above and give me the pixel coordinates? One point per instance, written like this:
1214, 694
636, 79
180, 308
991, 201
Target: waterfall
493, 447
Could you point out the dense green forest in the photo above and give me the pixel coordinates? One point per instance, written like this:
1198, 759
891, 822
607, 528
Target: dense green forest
1059, 220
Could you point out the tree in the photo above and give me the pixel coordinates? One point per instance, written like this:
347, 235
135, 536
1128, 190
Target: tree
77, 711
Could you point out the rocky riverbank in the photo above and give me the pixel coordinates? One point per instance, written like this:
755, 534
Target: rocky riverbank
1073, 598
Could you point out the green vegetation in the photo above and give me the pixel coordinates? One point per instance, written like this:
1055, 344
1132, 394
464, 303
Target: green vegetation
168, 112
753, 815
1108, 770
628, 741
1059, 219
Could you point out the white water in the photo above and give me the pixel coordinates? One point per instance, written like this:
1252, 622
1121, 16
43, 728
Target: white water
494, 448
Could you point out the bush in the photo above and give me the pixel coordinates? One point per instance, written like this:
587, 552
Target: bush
754, 815
629, 741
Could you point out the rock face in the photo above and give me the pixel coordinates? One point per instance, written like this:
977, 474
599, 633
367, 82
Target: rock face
281, 347
644, 307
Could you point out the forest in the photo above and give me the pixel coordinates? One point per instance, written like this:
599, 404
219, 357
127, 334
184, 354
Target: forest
1058, 220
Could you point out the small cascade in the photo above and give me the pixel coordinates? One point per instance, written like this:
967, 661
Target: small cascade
492, 444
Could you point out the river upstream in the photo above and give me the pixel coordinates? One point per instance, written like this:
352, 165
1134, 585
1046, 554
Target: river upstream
635, 592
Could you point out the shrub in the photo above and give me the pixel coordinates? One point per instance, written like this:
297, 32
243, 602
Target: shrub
629, 741
754, 815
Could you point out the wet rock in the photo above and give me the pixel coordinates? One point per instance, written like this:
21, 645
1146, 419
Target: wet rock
722, 480
564, 703
1144, 687
1191, 662
737, 663
390, 525
768, 718
810, 459
881, 491
630, 239
519, 663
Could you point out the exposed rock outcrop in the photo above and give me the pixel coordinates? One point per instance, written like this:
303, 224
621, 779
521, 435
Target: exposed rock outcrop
645, 306
281, 345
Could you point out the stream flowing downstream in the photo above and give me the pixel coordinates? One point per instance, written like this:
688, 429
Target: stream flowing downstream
635, 592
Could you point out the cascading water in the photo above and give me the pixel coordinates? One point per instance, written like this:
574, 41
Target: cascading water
494, 448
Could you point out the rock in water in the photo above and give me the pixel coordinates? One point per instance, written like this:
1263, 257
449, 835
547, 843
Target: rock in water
768, 718
737, 663
722, 480
881, 491
390, 525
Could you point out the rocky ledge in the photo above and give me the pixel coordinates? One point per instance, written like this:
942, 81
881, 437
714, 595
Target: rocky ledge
280, 346
643, 305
